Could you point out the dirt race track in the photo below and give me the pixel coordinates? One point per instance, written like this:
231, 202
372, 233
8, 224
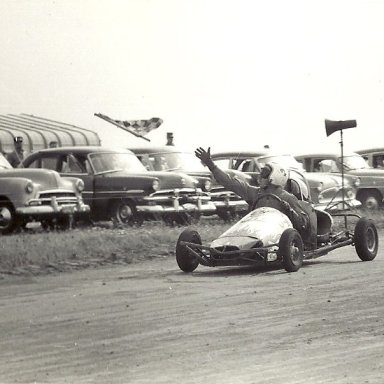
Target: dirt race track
149, 322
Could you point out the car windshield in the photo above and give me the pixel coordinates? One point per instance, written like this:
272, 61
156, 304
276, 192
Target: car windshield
4, 164
287, 161
112, 162
170, 161
354, 162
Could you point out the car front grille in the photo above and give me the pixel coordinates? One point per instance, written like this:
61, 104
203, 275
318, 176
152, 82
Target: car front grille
61, 197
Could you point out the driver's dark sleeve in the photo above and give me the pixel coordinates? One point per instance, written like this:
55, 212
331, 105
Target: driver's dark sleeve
301, 219
234, 184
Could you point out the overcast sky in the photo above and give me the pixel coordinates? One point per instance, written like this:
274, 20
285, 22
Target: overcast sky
219, 73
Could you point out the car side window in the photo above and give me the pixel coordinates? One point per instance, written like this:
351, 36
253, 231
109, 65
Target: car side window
49, 163
71, 164
378, 161
35, 164
222, 163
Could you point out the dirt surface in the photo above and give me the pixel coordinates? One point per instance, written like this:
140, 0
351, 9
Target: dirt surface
149, 322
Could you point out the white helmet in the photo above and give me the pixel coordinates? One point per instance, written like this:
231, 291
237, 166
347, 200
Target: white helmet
275, 173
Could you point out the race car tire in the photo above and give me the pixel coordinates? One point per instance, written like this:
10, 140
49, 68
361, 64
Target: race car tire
185, 260
366, 239
291, 250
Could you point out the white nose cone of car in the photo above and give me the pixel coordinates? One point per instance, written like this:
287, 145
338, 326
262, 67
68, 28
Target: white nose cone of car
265, 224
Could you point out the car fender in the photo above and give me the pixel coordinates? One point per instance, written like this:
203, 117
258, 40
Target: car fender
14, 190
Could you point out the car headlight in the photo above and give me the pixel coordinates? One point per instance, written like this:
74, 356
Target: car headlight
207, 185
320, 187
29, 187
79, 185
156, 185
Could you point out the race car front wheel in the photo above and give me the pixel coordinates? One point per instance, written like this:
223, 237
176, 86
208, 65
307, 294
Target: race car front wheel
291, 250
366, 239
185, 260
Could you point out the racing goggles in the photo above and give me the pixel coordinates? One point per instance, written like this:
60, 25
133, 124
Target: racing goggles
265, 172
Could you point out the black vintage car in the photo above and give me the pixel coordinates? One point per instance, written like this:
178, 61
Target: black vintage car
173, 159
119, 187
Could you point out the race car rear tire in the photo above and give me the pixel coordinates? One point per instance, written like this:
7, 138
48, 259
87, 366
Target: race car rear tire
185, 260
291, 250
366, 239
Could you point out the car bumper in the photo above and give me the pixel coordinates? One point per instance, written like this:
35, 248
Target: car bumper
53, 209
177, 207
338, 206
237, 205
177, 203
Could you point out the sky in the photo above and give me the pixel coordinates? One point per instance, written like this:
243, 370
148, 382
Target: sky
229, 74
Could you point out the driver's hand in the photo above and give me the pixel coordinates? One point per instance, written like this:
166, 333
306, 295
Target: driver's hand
204, 156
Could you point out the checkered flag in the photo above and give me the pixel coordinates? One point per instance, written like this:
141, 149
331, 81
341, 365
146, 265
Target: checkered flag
138, 128
142, 127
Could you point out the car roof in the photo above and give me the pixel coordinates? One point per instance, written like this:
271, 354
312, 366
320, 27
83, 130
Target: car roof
370, 150
247, 153
324, 154
83, 149
145, 148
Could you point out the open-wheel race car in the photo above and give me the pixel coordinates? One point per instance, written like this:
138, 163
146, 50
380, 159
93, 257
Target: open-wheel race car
266, 235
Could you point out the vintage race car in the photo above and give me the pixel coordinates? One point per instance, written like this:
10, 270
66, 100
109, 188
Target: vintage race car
266, 235
41, 195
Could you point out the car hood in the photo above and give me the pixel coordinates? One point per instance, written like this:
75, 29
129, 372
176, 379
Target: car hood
47, 179
366, 172
265, 224
328, 178
175, 179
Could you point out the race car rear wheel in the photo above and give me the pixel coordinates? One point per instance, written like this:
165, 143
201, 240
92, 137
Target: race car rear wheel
291, 250
366, 239
185, 260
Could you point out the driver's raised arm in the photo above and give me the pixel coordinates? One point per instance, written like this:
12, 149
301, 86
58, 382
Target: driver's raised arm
233, 183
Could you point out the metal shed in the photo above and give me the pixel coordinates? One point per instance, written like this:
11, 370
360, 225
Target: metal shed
38, 132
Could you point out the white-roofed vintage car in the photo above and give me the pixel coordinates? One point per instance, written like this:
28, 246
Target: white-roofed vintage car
28, 195
370, 191
266, 235
326, 189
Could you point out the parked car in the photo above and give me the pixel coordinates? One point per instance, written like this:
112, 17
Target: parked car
173, 159
370, 191
119, 187
373, 156
326, 189
28, 195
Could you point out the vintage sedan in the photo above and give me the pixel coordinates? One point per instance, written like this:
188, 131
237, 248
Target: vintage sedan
326, 189
118, 187
28, 195
373, 156
370, 191
173, 159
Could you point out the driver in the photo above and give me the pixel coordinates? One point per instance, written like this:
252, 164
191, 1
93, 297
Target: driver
273, 179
